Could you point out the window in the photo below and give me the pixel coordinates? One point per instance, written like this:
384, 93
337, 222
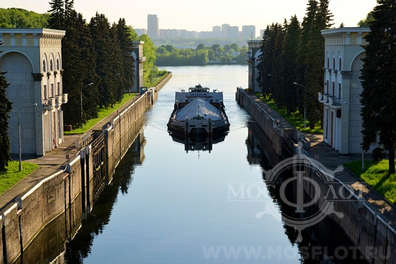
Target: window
334, 64
44, 68
45, 92
340, 64
57, 64
328, 63
327, 87
333, 88
58, 90
51, 66
339, 91
52, 90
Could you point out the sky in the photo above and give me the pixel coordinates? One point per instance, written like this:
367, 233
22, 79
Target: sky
203, 14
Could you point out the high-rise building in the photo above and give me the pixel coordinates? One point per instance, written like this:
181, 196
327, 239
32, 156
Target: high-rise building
249, 32
153, 27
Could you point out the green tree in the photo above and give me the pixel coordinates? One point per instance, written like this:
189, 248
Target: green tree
57, 14
126, 45
379, 82
102, 39
149, 65
366, 22
5, 108
290, 60
20, 18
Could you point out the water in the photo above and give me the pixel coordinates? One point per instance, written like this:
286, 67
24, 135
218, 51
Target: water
180, 207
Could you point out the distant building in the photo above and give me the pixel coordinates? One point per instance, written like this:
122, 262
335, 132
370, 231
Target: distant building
233, 32
342, 119
153, 27
248, 32
32, 61
140, 31
254, 55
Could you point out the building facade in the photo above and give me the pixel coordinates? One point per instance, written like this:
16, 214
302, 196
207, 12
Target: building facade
137, 54
254, 55
32, 62
153, 27
342, 121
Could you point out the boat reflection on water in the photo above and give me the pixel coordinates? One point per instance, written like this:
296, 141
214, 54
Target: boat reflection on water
197, 143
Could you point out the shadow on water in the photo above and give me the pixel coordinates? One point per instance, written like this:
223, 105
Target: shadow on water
51, 246
199, 143
80, 247
323, 243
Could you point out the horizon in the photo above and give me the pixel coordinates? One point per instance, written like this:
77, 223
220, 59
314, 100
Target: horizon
347, 12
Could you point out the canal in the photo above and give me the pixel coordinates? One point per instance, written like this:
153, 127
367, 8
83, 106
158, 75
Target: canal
169, 205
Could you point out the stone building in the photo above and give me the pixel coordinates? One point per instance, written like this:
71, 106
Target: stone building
32, 62
342, 119
253, 63
137, 54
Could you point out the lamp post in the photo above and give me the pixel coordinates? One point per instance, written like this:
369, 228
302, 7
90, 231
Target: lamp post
81, 100
305, 109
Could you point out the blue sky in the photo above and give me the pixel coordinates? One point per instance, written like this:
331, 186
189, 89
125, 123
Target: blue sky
203, 14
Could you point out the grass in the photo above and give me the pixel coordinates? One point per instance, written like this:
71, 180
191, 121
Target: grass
12, 175
296, 119
158, 78
376, 175
102, 113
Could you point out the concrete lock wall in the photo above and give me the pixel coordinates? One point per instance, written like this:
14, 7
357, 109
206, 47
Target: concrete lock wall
364, 226
68, 195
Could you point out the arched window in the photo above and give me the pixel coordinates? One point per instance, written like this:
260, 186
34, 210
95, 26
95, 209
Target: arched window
57, 64
328, 63
51, 66
334, 64
44, 66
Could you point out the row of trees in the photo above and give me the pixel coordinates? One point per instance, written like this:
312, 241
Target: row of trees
21, 18
292, 60
379, 80
97, 60
216, 54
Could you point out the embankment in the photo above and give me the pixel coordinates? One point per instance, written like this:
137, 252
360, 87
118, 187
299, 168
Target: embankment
365, 224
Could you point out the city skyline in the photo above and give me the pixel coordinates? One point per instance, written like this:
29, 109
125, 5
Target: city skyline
202, 18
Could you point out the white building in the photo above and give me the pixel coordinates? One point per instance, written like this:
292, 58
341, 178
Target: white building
32, 62
342, 119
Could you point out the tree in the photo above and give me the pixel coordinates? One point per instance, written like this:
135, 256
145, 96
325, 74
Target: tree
20, 18
318, 18
5, 108
57, 14
290, 56
100, 31
366, 22
379, 82
126, 45
149, 64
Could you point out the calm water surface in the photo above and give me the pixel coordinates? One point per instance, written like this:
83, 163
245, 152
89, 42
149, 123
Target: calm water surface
178, 207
